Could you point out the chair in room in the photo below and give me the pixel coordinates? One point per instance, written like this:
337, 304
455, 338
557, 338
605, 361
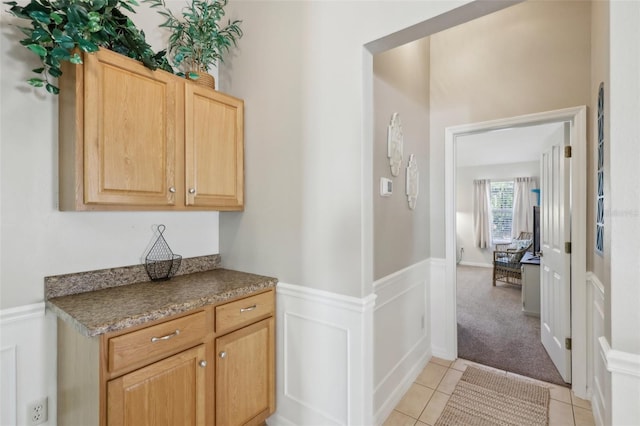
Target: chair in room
506, 259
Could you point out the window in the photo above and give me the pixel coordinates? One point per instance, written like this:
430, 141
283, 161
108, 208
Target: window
501, 211
600, 175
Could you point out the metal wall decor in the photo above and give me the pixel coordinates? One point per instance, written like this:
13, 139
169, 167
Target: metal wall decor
161, 263
394, 144
412, 182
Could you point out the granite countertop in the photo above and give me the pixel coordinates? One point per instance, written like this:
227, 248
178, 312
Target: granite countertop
97, 312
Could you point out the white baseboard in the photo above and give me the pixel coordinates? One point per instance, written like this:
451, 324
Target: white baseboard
479, 264
324, 357
402, 304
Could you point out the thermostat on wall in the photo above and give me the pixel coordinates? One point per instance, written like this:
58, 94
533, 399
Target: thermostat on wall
386, 187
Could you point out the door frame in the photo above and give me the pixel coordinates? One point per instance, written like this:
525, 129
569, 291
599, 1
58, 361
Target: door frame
577, 118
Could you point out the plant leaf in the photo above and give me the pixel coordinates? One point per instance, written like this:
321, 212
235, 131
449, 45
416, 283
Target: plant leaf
60, 53
52, 89
75, 59
55, 72
38, 70
55, 17
40, 16
36, 82
87, 45
37, 49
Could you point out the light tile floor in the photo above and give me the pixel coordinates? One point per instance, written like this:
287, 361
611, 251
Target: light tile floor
424, 401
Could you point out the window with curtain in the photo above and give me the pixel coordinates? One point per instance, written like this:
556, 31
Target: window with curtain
501, 211
523, 201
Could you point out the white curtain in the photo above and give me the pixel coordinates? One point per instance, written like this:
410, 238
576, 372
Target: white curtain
482, 212
523, 202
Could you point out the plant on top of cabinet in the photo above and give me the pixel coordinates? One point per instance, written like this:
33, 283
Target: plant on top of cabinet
197, 40
60, 26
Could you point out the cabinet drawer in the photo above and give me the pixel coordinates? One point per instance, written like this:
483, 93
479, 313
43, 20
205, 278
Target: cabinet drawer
243, 311
151, 342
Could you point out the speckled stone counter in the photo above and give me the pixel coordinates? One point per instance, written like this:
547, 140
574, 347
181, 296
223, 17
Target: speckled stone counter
109, 309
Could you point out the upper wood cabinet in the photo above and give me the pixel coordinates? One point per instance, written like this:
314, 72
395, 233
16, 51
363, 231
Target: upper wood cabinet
213, 142
135, 139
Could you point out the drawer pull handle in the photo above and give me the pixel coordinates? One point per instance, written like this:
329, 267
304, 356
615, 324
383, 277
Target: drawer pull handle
167, 337
248, 308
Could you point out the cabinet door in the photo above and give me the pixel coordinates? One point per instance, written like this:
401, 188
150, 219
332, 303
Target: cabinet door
130, 132
167, 393
214, 152
245, 375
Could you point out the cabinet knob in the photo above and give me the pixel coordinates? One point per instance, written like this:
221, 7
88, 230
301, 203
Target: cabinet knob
222, 354
203, 363
192, 191
172, 189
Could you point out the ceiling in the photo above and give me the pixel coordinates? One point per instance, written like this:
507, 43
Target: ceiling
514, 145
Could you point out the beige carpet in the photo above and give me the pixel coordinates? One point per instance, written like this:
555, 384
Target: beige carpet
485, 398
493, 330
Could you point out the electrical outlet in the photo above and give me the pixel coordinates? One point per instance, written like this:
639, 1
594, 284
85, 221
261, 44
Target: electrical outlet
38, 411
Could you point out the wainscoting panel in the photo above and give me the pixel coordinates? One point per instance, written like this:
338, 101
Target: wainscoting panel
625, 385
402, 335
599, 377
28, 362
8, 385
324, 355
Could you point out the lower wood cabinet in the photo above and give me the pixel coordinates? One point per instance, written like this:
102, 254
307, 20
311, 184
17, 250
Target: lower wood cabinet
176, 371
244, 377
166, 393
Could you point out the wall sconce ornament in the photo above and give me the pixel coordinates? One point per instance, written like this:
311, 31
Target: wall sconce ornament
394, 144
412, 182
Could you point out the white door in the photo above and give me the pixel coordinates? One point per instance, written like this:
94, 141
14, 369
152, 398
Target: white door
555, 262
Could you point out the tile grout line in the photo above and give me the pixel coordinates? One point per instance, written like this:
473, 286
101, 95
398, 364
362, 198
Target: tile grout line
450, 367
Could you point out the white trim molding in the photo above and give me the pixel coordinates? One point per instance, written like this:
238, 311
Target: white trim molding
625, 384
324, 355
21, 313
577, 117
619, 362
402, 304
599, 379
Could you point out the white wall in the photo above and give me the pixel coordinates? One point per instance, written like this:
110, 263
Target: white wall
464, 201
301, 69
401, 85
624, 215
528, 58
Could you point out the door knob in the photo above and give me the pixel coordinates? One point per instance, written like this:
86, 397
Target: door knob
203, 363
222, 354
172, 189
192, 191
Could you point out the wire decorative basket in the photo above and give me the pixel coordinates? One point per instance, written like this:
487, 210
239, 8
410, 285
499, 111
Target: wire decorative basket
161, 263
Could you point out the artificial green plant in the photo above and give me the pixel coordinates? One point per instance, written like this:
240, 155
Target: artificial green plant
197, 39
59, 27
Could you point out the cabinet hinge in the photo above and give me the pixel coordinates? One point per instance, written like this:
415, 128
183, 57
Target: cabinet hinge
567, 247
567, 151
567, 343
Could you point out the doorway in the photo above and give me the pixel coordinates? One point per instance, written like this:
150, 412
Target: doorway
576, 120
495, 326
